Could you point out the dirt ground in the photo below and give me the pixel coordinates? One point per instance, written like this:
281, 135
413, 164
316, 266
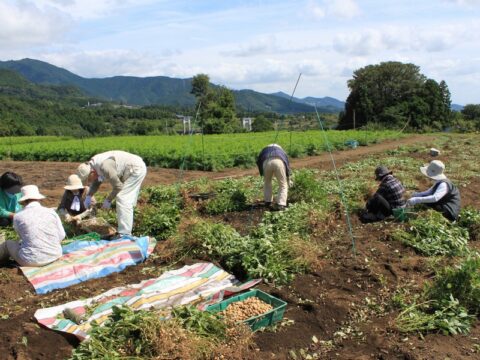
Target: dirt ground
335, 310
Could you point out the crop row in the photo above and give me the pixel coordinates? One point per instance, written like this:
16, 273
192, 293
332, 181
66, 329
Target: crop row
209, 152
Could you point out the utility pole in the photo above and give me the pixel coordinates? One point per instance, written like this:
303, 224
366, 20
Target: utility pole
353, 119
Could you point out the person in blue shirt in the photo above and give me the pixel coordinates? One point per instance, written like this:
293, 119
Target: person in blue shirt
10, 184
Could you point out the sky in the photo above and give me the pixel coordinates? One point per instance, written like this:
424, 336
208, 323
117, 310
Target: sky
250, 44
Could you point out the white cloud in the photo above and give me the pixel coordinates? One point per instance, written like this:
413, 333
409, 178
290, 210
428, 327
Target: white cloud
406, 39
90, 9
345, 9
22, 24
467, 3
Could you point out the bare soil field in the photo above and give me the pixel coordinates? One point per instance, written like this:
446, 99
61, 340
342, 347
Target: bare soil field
338, 310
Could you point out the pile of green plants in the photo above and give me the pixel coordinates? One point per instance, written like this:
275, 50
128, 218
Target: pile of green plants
433, 235
469, 218
307, 188
9, 233
448, 304
275, 250
188, 334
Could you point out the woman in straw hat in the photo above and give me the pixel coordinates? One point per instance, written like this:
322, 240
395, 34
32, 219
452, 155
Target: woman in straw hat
73, 199
40, 231
443, 196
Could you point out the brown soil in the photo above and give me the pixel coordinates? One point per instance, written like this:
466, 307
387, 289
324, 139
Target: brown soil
337, 302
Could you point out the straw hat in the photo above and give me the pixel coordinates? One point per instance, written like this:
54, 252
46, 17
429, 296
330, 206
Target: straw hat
434, 170
74, 183
83, 171
30, 192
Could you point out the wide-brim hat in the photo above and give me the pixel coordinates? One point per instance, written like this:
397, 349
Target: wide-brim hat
381, 171
434, 170
30, 192
83, 171
74, 183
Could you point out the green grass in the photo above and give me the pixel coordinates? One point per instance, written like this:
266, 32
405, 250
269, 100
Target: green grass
215, 152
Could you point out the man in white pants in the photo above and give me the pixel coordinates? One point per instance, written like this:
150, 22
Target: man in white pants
125, 172
273, 161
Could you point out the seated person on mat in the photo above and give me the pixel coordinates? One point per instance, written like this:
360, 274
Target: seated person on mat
40, 231
389, 196
443, 196
10, 184
73, 199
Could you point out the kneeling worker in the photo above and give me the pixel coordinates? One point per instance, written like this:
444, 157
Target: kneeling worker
40, 231
443, 196
273, 161
388, 196
125, 172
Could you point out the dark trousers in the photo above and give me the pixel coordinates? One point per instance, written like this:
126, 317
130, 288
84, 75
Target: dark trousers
377, 204
5, 222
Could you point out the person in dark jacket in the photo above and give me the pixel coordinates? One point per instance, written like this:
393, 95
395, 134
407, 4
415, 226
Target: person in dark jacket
443, 196
273, 161
10, 185
73, 199
388, 196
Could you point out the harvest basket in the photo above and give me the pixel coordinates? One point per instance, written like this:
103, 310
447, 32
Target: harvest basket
402, 214
260, 321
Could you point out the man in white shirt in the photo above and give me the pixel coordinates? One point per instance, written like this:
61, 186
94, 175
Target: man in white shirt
125, 172
40, 230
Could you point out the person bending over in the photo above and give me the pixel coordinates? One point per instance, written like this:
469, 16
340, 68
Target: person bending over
273, 161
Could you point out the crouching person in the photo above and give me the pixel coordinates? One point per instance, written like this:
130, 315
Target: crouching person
40, 231
73, 199
388, 196
10, 184
273, 161
443, 196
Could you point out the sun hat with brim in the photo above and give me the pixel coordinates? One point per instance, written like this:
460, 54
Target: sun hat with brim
381, 171
74, 183
83, 171
434, 170
30, 192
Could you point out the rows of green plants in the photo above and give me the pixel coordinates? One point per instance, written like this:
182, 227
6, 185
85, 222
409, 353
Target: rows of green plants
210, 152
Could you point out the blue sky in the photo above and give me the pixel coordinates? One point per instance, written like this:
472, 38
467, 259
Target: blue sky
257, 44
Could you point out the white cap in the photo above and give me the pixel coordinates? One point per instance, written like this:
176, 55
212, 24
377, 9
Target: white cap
83, 171
30, 192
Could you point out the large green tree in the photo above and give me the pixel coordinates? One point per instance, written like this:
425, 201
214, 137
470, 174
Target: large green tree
217, 106
395, 95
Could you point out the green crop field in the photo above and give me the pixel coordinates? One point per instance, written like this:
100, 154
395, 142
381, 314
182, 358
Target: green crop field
210, 152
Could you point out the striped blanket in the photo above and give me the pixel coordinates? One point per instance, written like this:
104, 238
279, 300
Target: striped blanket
201, 284
85, 260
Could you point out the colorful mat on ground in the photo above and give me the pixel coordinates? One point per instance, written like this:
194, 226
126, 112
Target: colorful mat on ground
85, 260
201, 283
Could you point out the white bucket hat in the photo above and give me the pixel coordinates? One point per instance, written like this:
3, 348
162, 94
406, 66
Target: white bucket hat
30, 192
434, 170
74, 183
83, 171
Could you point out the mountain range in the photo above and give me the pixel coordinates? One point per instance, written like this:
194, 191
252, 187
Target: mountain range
161, 90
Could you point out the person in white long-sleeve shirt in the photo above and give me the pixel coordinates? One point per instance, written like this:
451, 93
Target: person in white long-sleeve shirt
40, 230
443, 196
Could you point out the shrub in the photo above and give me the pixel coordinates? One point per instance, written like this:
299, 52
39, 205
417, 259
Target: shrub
307, 188
158, 221
469, 218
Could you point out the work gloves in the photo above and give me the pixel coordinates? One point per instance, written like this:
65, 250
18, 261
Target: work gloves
106, 204
88, 201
